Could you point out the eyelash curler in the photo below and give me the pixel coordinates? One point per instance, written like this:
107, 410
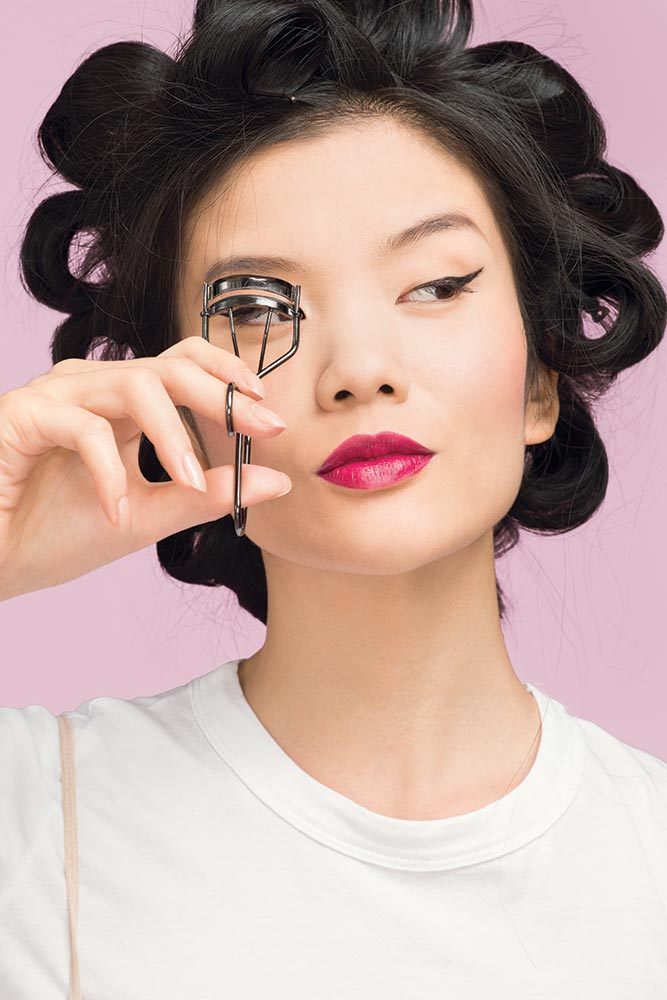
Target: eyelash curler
272, 290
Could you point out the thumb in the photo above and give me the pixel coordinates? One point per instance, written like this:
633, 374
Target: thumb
162, 509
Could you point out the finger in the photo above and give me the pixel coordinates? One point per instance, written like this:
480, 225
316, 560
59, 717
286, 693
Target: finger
217, 361
150, 394
224, 364
139, 392
202, 390
37, 424
163, 509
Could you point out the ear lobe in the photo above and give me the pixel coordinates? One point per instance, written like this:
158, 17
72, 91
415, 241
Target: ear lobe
542, 413
555, 401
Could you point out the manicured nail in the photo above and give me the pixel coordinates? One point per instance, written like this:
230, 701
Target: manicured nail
266, 417
285, 489
277, 483
193, 472
123, 514
247, 380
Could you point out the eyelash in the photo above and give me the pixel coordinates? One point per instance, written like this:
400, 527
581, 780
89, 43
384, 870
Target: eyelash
454, 284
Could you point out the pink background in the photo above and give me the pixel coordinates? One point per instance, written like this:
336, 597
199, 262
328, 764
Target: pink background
588, 622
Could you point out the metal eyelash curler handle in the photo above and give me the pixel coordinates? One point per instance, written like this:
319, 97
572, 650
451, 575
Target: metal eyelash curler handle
271, 288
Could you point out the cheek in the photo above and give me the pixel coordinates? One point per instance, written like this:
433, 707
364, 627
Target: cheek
490, 415
476, 373
494, 383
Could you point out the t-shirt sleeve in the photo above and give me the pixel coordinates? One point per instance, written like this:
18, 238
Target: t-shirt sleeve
29, 782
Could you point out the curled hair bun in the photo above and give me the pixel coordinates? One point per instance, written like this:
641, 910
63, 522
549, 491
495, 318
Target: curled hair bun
619, 207
145, 138
542, 96
102, 100
47, 242
89, 136
286, 45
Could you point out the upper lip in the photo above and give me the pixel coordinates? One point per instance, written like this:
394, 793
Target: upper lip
365, 446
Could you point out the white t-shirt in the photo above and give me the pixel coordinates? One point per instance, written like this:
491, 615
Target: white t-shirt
212, 867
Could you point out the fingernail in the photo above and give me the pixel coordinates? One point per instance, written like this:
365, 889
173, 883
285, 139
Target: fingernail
266, 417
193, 472
286, 489
251, 382
284, 485
123, 514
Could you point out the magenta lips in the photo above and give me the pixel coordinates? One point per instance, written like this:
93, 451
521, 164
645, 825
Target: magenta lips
370, 461
369, 475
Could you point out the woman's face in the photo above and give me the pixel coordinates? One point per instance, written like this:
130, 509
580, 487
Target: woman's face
443, 368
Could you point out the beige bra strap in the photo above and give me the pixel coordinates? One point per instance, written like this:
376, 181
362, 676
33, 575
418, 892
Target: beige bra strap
68, 781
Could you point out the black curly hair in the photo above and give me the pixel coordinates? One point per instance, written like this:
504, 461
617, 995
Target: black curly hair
142, 135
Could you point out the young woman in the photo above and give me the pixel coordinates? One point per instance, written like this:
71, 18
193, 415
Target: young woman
374, 804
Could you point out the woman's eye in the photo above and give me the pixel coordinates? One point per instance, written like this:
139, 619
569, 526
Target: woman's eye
444, 289
447, 288
247, 316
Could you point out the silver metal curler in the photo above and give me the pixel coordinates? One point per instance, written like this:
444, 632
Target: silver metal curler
258, 293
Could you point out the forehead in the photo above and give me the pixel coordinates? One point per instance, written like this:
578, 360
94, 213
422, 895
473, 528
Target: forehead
336, 196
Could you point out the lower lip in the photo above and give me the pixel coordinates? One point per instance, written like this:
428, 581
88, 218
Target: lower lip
369, 474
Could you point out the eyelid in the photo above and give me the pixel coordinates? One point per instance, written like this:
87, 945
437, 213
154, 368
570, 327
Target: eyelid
458, 281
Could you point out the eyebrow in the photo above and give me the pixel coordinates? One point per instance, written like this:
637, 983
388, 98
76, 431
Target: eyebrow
391, 245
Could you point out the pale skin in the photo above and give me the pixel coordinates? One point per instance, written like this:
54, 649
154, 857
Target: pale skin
384, 673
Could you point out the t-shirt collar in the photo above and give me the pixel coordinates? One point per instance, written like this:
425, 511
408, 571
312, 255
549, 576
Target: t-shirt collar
341, 824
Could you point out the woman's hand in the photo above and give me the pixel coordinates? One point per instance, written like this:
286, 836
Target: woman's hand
69, 444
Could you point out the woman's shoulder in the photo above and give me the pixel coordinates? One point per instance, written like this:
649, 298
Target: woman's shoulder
29, 781
103, 727
620, 771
